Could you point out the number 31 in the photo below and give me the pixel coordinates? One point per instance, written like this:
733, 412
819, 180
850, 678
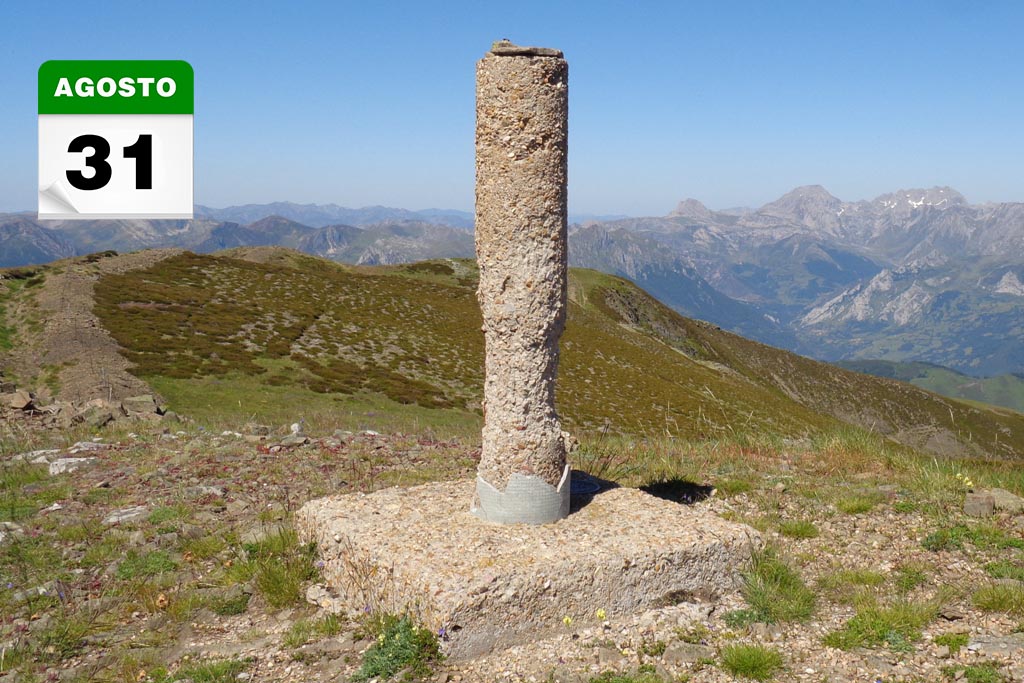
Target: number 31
141, 151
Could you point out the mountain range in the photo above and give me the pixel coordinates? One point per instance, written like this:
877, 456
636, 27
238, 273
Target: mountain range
397, 238
320, 215
912, 275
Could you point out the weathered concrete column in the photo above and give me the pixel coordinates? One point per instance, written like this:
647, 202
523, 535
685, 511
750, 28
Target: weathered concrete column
521, 158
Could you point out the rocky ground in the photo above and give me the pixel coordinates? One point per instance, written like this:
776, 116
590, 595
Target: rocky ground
153, 550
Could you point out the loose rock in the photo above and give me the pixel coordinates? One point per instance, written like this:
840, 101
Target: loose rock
139, 404
18, 400
63, 465
260, 533
686, 653
1006, 501
126, 515
88, 446
203, 490
979, 504
1011, 646
95, 416
9, 529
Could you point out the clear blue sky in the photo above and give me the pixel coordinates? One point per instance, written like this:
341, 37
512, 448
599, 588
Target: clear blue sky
733, 103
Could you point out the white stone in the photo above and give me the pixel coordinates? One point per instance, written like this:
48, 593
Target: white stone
126, 515
63, 465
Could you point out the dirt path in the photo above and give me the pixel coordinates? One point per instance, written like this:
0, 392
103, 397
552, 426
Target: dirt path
66, 342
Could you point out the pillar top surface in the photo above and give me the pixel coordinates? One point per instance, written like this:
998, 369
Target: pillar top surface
506, 48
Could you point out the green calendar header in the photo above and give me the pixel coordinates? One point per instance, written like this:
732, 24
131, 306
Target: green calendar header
116, 87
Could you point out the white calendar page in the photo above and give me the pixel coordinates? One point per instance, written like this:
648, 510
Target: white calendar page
169, 194
115, 139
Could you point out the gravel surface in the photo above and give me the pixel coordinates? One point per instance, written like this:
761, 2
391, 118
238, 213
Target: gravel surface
207, 499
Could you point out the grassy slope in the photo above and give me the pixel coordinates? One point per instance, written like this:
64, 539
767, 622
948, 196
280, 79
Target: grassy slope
912, 416
404, 342
1001, 390
12, 281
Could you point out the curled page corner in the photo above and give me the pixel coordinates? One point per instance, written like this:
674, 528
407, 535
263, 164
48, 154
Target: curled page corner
58, 198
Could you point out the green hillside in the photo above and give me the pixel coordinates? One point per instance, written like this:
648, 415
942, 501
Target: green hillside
262, 333
1001, 390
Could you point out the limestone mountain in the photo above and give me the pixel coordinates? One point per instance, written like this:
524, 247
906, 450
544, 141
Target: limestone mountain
916, 274
22, 241
320, 215
388, 243
691, 208
228, 235
380, 243
332, 241
811, 206
87, 236
965, 315
672, 279
274, 231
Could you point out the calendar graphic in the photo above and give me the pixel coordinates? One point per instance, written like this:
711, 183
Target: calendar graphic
115, 139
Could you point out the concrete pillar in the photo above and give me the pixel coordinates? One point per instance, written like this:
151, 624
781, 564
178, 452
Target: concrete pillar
521, 248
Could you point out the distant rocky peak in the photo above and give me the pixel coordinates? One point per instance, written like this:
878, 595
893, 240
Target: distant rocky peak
801, 200
809, 193
691, 208
1010, 284
939, 197
279, 227
810, 205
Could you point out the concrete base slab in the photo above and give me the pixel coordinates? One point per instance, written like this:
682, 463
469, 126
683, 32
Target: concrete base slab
489, 586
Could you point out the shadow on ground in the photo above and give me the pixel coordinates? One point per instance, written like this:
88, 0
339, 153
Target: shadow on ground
585, 487
679, 491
